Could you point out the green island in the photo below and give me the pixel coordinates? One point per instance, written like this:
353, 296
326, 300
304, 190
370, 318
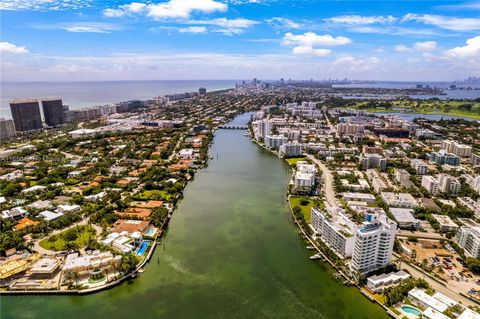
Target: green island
467, 108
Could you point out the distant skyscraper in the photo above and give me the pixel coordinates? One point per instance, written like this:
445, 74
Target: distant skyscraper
26, 115
202, 91
7, 129
53, 111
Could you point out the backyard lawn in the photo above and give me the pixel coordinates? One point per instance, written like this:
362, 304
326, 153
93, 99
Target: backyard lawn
293, 161
69, 239
297, 201
153, 194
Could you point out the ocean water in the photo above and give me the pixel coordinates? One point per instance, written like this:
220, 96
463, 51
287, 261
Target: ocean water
83, 94
450, 94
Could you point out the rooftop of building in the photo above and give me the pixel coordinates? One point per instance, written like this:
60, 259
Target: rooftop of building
24, 100
51, 98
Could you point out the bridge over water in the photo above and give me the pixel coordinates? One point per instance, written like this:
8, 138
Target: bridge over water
233, 127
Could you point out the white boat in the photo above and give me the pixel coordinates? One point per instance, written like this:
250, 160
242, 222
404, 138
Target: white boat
316, 256
310, 247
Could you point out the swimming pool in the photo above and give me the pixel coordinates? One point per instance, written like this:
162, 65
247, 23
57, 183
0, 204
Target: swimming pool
143, 247
411, 310
150, 232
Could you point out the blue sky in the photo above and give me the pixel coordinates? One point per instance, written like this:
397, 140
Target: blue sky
238, 39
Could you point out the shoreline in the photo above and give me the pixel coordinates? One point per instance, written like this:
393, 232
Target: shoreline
453, 115
142, 263
310, 240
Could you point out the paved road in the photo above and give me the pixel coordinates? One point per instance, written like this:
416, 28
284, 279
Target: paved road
328, 181
174, 152
419, 234
39, 249
332, 127
437, 286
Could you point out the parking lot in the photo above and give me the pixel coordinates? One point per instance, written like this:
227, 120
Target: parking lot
446, 264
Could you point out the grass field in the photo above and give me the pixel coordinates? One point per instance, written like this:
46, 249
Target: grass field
83, 235
428, 107
295, 201
293, 161
154, 194
380, 298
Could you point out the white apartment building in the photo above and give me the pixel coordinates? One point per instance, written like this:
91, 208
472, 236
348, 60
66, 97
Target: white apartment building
425, 133
431, 184
468, 237
306, 109
405, 218
402, 176
289, 133
67, 209
438, 301
448, 184
378, 283
399, 199
14, 213
457, 148
275, 141
261, 129
448, 145
420, 166
350, 129
186, 153
378, 181
446, 223
442, 184
472, 205
84, 265
336, 230
474, 182
304, 181
475, 159
290, 149
373, 161
462, 150
304, 167
304, 176
359, 197
373, 244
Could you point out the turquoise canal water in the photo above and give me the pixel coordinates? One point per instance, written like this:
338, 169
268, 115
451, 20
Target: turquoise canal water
231, 251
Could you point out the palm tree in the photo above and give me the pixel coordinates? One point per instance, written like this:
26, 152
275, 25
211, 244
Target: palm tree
52, 239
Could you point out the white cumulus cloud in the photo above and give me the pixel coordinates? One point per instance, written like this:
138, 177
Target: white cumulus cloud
445, 22
279, 22
358, 19
43, 5
352, 64
226, 26
80, 27
426, 46
172, 9
401, 48
193, 29
312, 39
8, 47
307, 42
308, 50
470, 50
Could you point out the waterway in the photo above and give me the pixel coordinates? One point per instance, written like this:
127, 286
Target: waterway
430, 117
231, 251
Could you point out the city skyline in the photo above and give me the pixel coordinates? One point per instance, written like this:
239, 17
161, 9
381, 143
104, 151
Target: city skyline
69, 40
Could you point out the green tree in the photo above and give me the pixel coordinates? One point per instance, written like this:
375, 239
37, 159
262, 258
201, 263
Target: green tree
473, 265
